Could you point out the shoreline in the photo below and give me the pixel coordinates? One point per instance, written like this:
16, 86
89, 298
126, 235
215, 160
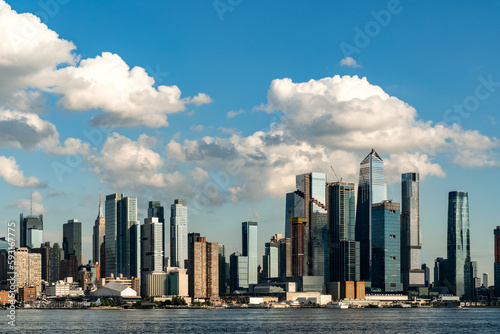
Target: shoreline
114, 308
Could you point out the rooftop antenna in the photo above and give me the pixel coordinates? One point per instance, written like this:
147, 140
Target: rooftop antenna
31, 205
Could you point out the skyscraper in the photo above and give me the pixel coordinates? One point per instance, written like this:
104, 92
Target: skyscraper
308, 202
344, 250
151, 249
31, 231
110, 237
238, 271
249, 248
72, 240
371, 190
441, 273
298, 245
458, 242
474, 282
285, 257
204, 270
98, 235
122, 238
292, 201
411, 243
386, 247
270, 260
27, 269
496, 268
155, 209
56, 258
128, 238
44, 251
222, 270
179, 233
192, 237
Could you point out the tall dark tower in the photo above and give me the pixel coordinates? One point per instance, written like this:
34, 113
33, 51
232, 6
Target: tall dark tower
344, 250
371, 190
459, 243
412, 274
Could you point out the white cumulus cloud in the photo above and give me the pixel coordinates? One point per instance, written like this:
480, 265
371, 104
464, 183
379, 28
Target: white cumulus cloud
10, 172
349, 61
28, 131
34, 203
331, 121
33, 60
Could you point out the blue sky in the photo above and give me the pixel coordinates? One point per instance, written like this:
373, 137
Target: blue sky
263, 97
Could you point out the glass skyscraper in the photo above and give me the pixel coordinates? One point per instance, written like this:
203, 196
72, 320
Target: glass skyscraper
270, 260
238, 272
371, 189
122, 237
72, 239
386, 247
293, 204
179, 233
411, 237
496, 265
111, 217
31, 231
128, 238
222, 270
249, 249
458, 242
309, 201
344, 250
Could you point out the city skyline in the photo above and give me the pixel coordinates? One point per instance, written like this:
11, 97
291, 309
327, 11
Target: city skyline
243, 120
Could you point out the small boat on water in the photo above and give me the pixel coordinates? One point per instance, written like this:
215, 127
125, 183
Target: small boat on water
401, 305
337, 305
279, 305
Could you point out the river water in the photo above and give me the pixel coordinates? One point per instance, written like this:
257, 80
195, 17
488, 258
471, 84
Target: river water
413, 320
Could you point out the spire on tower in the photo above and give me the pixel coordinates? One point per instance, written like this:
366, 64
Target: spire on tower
100, 207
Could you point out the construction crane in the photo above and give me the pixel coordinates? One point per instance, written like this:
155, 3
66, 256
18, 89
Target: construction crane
340, 180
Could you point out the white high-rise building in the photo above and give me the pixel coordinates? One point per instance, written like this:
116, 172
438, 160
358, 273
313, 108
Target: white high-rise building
151, 250
179, 234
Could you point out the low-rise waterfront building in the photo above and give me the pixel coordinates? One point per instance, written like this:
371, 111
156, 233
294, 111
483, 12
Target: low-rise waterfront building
115, 289
308, 298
